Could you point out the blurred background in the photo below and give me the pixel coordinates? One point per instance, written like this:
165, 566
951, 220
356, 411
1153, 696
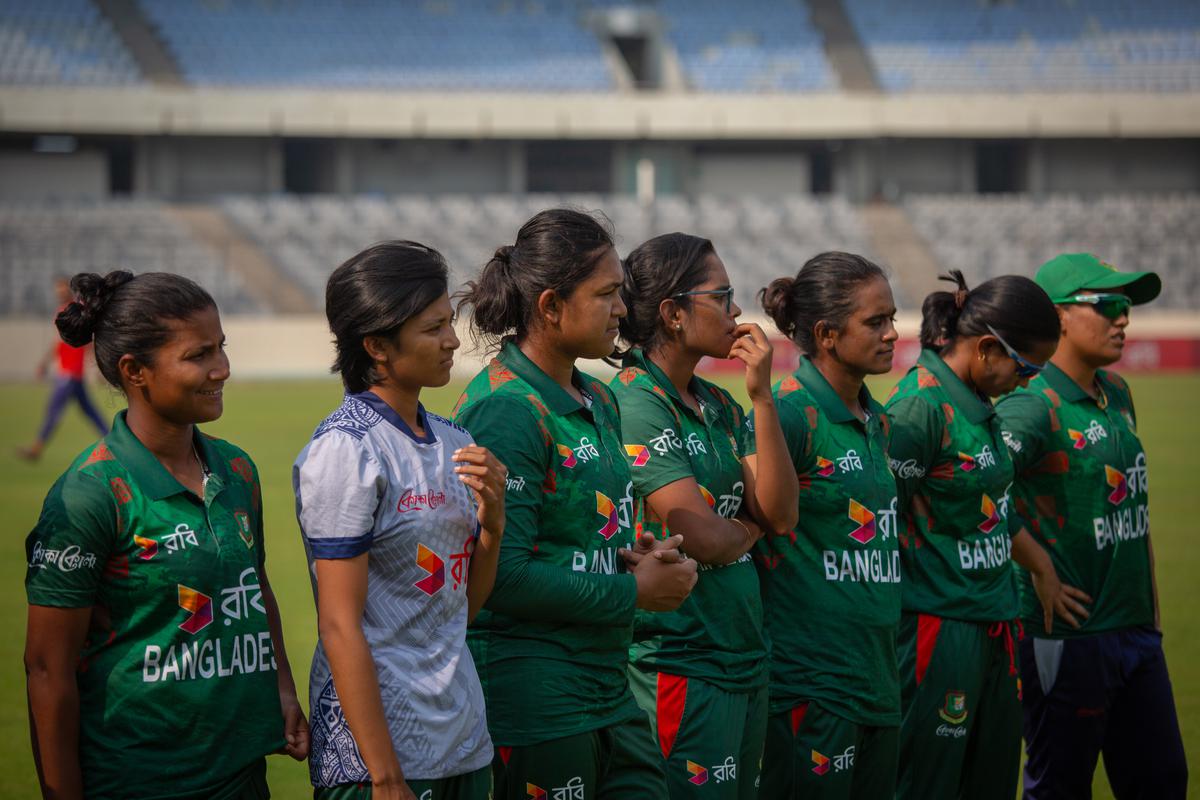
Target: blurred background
255, 144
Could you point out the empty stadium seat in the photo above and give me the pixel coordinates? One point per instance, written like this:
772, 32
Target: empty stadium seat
61, 42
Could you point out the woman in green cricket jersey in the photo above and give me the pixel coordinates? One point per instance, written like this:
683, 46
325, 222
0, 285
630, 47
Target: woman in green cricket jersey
961, 729
551, 643
1100, 686
700, 672
831, 586
154, 652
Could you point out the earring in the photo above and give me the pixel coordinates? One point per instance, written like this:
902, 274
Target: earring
678, 327
981, 356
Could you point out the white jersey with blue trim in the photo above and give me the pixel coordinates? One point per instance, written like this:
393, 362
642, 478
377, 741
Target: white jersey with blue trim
367, 484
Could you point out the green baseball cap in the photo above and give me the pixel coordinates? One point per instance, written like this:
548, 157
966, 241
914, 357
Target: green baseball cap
1064, 275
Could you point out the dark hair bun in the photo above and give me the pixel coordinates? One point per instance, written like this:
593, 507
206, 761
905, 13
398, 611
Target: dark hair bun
774, 299
77, 322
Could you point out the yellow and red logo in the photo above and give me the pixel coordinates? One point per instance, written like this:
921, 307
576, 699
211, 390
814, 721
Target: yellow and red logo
569, 460
708, 498
432, 563
1080, 441
639, 453
1116, 479
987, 507
607, 509
967, 461
824, 467
699, 773
199, 608
149, 547
821, 762
865, 519
535, 792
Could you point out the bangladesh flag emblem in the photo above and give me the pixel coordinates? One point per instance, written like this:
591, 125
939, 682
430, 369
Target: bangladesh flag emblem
954, 710
243, 524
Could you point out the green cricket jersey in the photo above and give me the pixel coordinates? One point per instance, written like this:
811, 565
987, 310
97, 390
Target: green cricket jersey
178, 691
1081, 489
831, 587
953, 475
716, 635
551, 645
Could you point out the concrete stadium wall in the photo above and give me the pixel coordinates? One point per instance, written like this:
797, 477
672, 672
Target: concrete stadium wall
300, 346
33, 176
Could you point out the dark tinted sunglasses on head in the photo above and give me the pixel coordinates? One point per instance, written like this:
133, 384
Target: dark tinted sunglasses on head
1025, 367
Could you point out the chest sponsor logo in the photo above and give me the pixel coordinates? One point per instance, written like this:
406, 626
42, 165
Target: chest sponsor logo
199, 607
427, 501
1092, 434
869, 523
991, 514
695, 445
1116, 480
954, 709
838, 763
825, 467
708, 496
851, 462
699, 774
568, 456
983, 459
666, 441
729, 504
639, 453
148, 548
585, 451
514, 483
906, 470
66, 559
606, 508
431, 563
1013, 442
865, 519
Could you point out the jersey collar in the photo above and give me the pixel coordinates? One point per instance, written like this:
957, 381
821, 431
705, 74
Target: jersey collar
835, 410
380, 406
151, 477
968, 402
1063, 384
638, 358
554, 396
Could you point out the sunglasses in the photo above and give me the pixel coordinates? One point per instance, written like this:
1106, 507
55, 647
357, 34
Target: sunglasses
1025, 368
1110, 305
727, 293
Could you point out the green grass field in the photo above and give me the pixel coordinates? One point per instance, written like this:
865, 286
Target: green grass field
273, 421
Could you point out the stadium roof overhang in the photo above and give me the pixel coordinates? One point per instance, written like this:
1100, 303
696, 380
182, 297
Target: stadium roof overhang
617, 116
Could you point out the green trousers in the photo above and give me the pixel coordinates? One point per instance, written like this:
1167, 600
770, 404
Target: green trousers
812, 754
710, 739
961, 699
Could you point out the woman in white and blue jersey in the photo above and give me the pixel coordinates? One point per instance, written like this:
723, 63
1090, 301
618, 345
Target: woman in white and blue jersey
402, 516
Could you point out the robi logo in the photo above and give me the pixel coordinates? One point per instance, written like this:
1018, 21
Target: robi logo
435, 566
569, 460
708, 498
535, 792
824, 467
991, 518
1116, 479
865, 531
639, 453
699, 774
199, 606
607, 509
821, 761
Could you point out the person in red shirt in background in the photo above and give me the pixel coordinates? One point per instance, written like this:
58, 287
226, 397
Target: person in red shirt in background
68, 383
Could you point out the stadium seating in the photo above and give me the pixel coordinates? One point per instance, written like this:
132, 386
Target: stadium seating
61, 42
759, 239
376, 44
1032, 45
40, 241
749, 46
986, 236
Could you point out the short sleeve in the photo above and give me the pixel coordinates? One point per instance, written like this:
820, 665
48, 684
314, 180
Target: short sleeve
653, 441
796, 433
916, 430
68, 548
339, 484
1025, 424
